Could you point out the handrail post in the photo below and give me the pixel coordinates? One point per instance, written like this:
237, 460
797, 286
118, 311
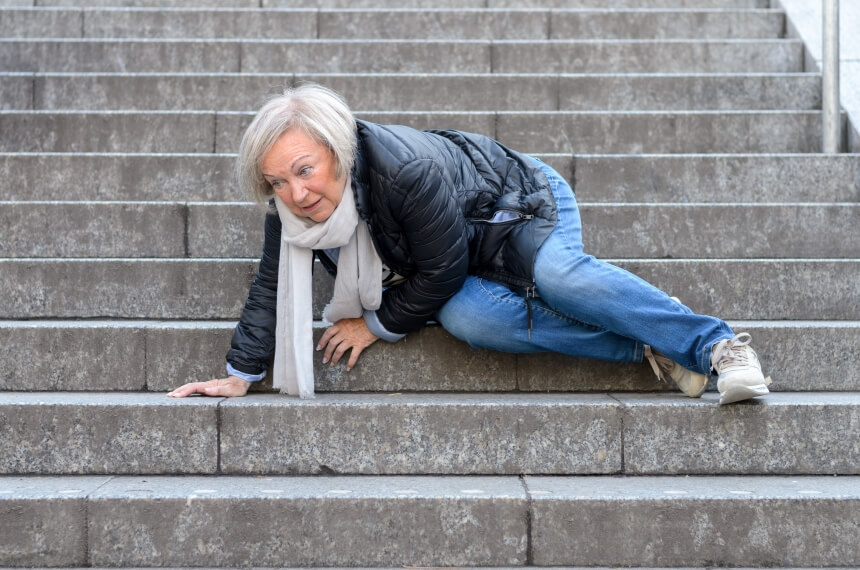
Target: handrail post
830, 78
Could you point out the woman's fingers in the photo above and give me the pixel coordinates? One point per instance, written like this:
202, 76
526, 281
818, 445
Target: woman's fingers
344, 335
225, 387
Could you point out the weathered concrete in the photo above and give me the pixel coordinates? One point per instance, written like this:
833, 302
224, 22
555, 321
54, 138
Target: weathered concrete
212, 289
695, 521
92, 229
34, 131
372, 521
776, 434
659, 56
666, 24
72, 355
661, 132
647, 4
199, 24
143, 177
45, 23
693, 231
104, 433
435, 92
16, 91
364, 56
716, 178
45, 520
415, 433
86, 55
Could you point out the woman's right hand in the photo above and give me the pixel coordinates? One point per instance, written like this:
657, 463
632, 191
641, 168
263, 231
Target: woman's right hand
229, 387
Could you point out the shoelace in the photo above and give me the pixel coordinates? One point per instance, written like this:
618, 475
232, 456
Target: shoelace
661, 365
732, 353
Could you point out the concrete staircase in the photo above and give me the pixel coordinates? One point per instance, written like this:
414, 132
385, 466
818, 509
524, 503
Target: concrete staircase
690, 130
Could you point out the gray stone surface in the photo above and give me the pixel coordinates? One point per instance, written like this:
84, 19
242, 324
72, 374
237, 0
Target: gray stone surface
216, 289
695, 521
434, 24
666, 24
35, 131
156, 91
104, 433
634, 230
199, 23
720, 232
45, 520
660, 56
775, 434
326, 521
16, 91
415, 433
143, 177
126, 288
159, 356
648, 4
587, 92
716, 178
661, 132
245, 92
92, 229
86, 55
354, 56
46, 23
72, 355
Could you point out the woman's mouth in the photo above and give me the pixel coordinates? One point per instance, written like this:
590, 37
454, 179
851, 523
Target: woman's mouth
312, 206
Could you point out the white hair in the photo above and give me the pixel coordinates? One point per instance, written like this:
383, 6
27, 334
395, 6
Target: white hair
317, 111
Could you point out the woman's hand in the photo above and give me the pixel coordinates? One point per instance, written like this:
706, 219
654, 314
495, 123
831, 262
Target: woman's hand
230, 386
343, 335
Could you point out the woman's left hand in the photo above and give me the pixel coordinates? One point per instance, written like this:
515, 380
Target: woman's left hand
344, 335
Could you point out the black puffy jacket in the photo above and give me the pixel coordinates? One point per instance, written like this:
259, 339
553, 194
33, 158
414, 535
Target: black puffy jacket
439, 205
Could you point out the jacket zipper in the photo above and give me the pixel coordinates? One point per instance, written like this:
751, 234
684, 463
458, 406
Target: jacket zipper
519, 218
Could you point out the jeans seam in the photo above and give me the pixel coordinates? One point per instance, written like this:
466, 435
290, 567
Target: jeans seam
546, 310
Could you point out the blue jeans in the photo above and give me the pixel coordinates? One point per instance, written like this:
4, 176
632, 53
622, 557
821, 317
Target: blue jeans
586, 307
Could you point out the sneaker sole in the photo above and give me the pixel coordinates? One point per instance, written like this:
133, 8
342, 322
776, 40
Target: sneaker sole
740, 392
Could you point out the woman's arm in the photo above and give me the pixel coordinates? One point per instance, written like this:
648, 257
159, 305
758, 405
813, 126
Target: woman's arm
253, 342
425, 204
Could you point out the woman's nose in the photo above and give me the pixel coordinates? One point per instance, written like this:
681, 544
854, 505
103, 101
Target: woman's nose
298, 192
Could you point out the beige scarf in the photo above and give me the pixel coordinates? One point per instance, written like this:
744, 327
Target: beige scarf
358, 286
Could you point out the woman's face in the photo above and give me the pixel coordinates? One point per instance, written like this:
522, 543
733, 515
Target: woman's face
301, 173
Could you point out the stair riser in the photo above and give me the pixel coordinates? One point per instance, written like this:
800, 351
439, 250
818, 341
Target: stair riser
379, 24
621, 231
580, 133
201, 289
360, 56
689, 523
427, 434
424, 92
162, 356
698, 178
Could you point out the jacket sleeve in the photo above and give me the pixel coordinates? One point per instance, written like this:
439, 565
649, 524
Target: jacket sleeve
424, 203
253, 343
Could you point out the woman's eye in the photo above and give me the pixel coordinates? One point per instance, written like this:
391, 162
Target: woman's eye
276, 184
305, 171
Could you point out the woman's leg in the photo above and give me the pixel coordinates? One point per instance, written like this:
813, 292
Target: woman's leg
605, 296
486, 314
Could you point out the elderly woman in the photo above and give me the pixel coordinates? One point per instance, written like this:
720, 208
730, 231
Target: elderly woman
446, 226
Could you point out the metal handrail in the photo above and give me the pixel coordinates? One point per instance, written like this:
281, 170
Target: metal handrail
832, 127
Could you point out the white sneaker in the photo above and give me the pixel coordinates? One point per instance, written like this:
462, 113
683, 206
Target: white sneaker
691, 383
740, 372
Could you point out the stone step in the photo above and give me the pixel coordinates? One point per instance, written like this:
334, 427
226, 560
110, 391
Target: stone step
431, 521
159, 356
450, 434
621, 230
794, 289
433, 23
580, 132
769, 178
400, 4
437, 92
402, 56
